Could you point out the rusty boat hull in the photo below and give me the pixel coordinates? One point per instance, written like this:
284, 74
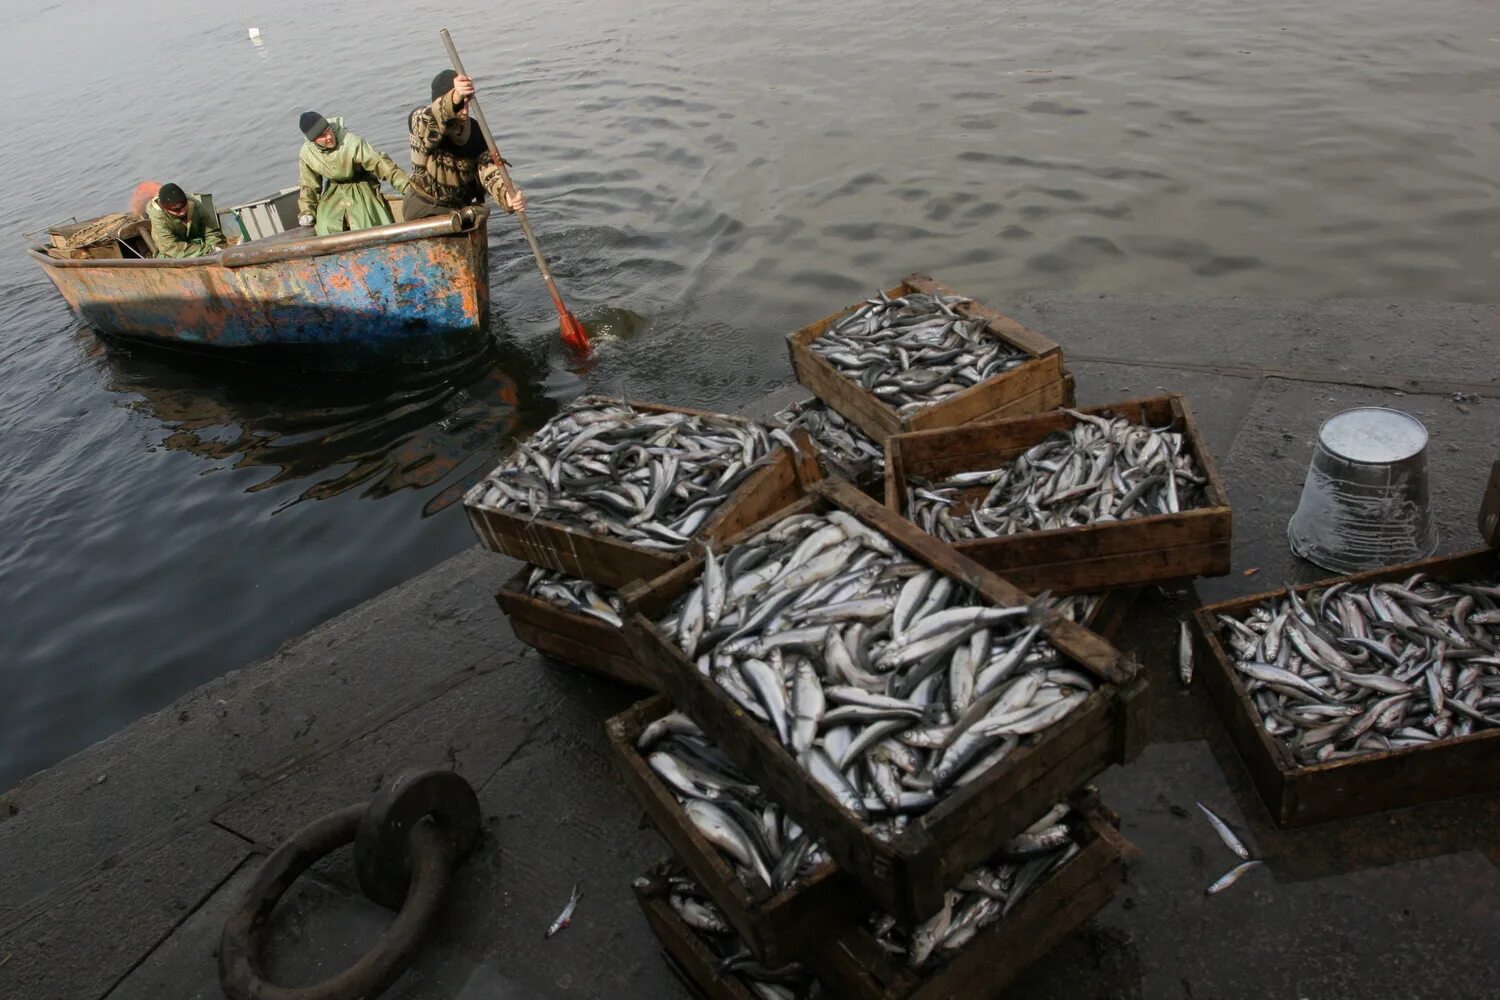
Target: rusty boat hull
407, 295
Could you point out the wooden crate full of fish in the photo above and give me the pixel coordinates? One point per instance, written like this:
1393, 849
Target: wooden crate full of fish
1003, 917
610, 492
573, 621
842, 448
1075, 500
1362, 693
919, 356
836, 639
704, 949
779, 906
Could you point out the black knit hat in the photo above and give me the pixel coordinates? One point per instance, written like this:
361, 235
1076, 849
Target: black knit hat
170, 194
312, 124
442, 83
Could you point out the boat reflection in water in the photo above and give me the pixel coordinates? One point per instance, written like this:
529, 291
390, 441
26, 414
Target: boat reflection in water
409, 431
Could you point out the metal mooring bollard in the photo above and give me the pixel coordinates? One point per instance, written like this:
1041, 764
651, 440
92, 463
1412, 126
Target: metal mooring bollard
407, 841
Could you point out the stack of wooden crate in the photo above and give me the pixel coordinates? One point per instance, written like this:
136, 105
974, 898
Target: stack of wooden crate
819, 921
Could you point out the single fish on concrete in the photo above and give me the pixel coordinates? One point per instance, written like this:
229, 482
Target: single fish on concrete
565, 918
1230, 877
1225, 833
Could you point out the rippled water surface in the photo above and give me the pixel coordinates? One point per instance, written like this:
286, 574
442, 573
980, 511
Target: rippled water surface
707, 175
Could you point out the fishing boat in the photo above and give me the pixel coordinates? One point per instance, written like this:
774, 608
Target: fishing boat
410, 294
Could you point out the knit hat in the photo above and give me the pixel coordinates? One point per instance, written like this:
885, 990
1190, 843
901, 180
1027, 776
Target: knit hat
170, 194
442, 83
312, 124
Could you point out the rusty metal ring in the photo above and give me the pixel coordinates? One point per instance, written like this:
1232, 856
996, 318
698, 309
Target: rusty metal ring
432, 861
380, 853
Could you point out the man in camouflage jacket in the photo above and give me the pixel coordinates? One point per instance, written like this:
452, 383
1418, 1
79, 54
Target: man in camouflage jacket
451, 163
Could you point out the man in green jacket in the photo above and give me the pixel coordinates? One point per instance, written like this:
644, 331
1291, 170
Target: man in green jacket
340, 178
181, 226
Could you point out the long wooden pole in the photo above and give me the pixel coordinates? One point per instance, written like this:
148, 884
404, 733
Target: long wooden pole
573, 333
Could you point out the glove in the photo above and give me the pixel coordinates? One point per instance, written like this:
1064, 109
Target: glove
304, 220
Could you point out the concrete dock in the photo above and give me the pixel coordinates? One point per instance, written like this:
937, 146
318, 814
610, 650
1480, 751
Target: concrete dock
120, 863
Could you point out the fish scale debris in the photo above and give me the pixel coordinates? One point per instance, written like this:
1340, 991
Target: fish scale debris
1355, 669
756, 836
889, 684
1102, 469
652, 479
915, 350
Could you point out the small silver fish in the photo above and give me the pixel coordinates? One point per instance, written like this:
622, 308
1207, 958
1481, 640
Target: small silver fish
565, 918
1225, 833
1184, 654
1230, 877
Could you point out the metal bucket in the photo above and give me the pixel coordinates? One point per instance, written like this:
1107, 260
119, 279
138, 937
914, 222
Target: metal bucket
1364, 503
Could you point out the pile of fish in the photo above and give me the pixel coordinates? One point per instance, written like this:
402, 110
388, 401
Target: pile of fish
572, 594
652, 479
1103, 469
751, 832
915, 350
699, 912
984, 895
889, 683
843, 442
1354, 669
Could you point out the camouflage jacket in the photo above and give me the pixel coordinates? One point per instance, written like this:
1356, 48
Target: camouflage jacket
450, 162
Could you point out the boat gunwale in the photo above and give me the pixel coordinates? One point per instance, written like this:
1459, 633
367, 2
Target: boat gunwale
258, 253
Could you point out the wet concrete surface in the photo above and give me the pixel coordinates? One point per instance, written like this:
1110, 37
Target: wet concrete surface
122, 861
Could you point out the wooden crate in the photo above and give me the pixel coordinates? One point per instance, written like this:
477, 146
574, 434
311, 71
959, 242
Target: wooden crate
579, 639
778, 926
1137, 551
1038, 385
906, 877
855, 966
612, 562
689, 955
1299, 794
851, 964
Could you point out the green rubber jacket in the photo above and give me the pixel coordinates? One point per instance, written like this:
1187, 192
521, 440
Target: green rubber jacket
340, 187
196, 236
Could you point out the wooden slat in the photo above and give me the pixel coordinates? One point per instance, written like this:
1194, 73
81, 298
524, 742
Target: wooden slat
1297, 794
778, 927
1000, 393
1489, 509
906, 878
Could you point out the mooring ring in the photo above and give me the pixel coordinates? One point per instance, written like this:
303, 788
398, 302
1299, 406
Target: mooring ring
429, 857
380, 852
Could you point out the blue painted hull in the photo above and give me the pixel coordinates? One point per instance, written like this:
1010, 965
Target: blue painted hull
413, 294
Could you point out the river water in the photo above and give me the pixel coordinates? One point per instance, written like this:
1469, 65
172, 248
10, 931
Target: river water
706, 176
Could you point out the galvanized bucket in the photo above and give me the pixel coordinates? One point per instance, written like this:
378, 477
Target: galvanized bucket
1364, 503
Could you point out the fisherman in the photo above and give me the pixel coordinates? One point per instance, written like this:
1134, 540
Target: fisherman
339, 187
451, 164
181, 226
